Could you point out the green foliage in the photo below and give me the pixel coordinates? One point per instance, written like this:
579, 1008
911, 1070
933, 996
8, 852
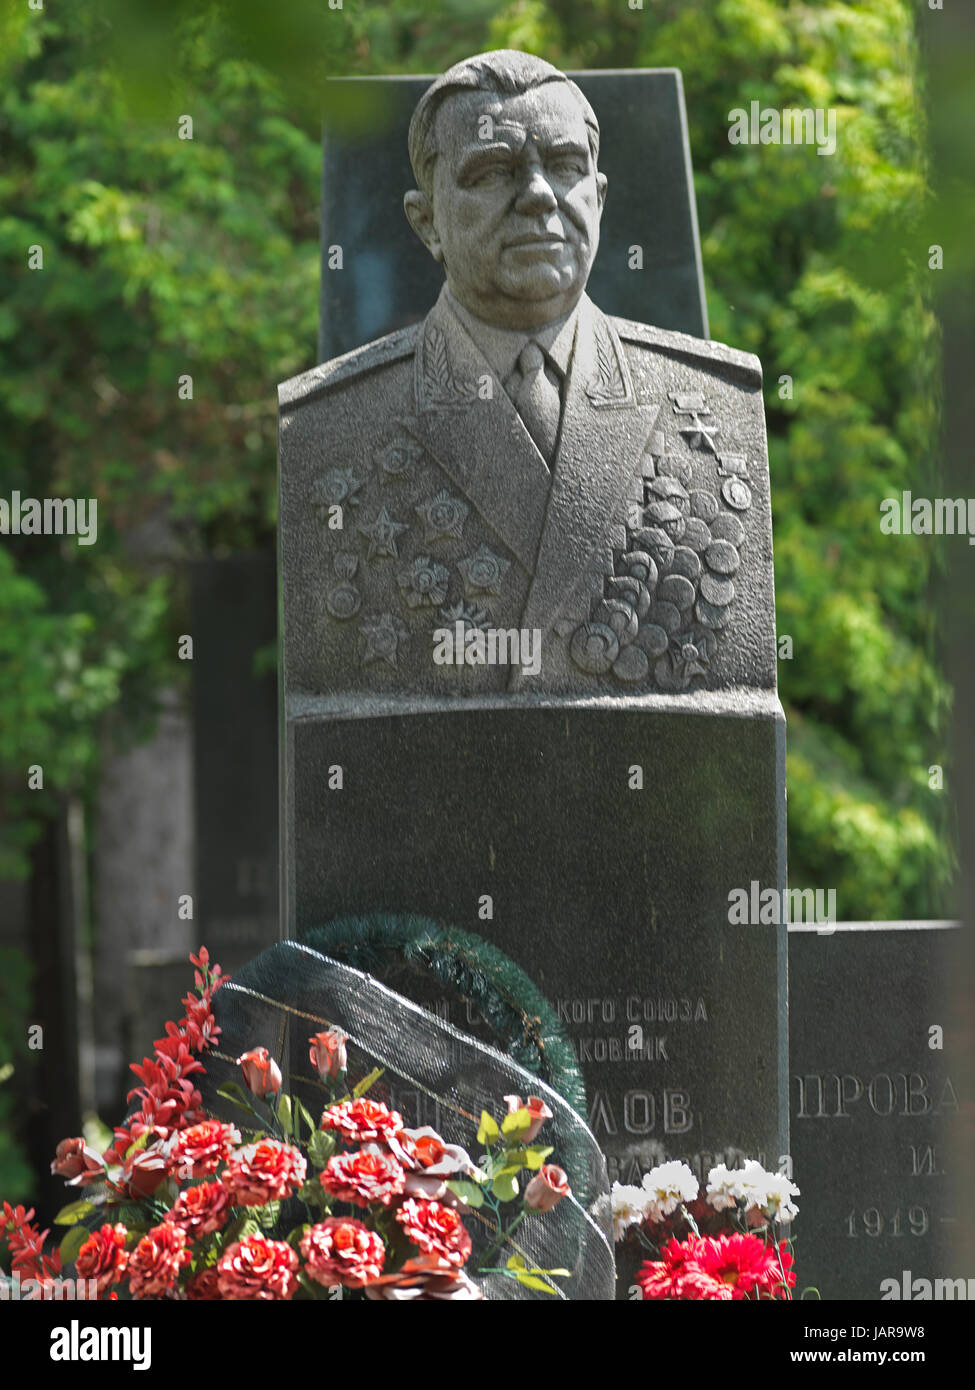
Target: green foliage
16, 1178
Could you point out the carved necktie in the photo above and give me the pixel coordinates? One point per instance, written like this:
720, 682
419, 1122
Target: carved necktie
536, 399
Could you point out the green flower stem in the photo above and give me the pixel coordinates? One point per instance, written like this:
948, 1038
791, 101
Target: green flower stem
505, 1236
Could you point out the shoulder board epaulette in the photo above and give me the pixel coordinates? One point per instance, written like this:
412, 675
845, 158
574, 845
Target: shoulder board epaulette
380, 353
705, 349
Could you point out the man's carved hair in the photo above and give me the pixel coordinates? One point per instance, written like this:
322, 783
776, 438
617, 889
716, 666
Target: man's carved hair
503, 72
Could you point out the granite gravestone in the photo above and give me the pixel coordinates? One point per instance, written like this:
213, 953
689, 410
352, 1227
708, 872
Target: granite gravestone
528, 632
873, 1057
234, 619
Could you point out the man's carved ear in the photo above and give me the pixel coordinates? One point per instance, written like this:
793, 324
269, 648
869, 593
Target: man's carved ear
419, 214
602, 183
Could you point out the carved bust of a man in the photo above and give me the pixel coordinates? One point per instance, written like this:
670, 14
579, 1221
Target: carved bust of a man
521, 492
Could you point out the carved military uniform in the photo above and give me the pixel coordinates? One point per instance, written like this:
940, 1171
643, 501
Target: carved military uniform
414, 498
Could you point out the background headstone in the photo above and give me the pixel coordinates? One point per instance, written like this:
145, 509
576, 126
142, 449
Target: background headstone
234, 628
875, 1098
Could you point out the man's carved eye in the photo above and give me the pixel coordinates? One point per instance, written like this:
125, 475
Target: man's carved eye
567, 164
493, 174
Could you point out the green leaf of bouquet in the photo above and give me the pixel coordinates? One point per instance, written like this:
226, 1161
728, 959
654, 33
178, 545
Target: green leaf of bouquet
517, 1122
468, 1192
367, 1081
285, 1115
137, 1144
73, 1212
313, 1194
534, 1158
488, 1131
530, 1282
268, 1215
321, 1146
72, 1243
504, 1187
231, 1091
303, 1112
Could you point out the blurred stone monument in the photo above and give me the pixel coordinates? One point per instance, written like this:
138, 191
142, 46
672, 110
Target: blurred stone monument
528, 629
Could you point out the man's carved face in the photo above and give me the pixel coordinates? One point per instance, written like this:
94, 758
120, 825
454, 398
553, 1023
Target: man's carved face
516, 204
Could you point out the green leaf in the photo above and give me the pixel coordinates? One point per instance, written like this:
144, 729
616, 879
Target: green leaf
303, 1112
530, 1282
517, 1262
268, 1215
321, 1146
367, 1081
72, 1243
517, 1122
73, 1212
285, 1116
505, 1187
534, 1158
488, 1131
313, 1194
468, 1192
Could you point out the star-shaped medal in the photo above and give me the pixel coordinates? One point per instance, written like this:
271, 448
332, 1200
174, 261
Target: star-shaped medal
382, 535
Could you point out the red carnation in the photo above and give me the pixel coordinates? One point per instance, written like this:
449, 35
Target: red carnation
103, 1257
201, 1210
157, 1260
257, 1268
202, 1148
342, 1251
367, 1176
264, 1172
362, 1121
436, 1229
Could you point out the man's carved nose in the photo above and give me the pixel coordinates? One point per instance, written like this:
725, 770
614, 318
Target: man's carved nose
537, 193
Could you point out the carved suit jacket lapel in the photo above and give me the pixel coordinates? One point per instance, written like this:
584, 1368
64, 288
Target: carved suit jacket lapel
481, 444
604, 432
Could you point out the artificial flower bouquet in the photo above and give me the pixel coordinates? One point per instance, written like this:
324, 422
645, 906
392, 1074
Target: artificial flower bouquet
183, 1205
723, 1244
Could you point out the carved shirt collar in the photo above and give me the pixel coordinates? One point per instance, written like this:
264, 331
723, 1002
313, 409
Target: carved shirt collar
502, 346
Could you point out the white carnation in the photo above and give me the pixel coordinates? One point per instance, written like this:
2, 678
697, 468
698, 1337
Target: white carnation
666, 1186
629, 1208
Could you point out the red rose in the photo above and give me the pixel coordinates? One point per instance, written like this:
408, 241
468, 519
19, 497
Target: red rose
547, 1188
157, 1260
201, 1210
202, 1148
261, 1073
328, 1054
103, 1257
536, 1108
264, 1172
77, 1163
436, 1229
342, 1251
362, 1121
257, 1268
204, 1287
429, 1161
367, 1176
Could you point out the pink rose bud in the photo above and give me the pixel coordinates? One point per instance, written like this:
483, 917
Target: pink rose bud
547, 1188
261, 1072
328, 1054
538, 1110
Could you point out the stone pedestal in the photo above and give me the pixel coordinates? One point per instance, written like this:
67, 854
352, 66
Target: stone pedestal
595, 843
